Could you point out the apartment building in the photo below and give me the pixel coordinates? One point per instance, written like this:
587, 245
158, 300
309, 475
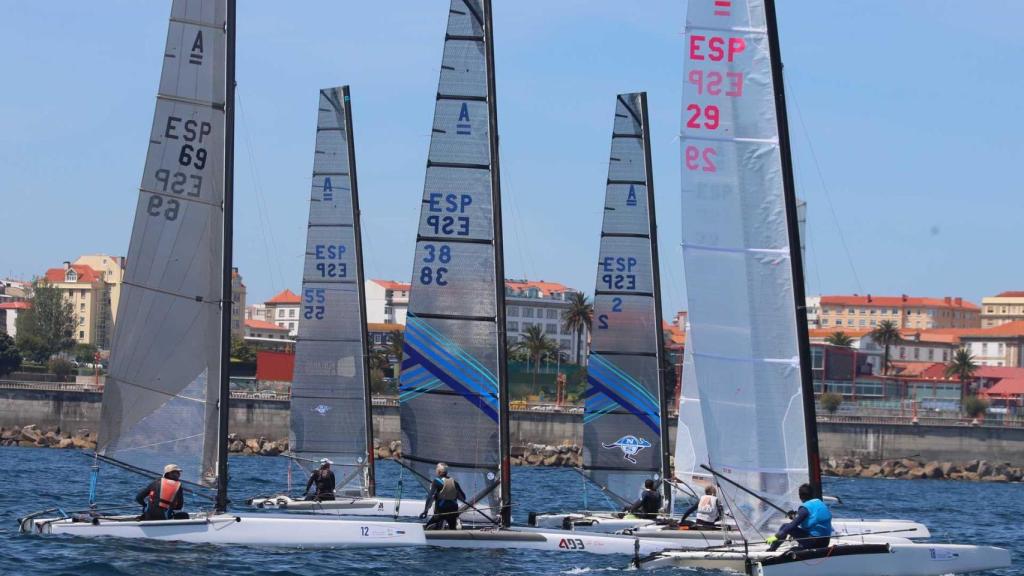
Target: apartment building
89, 295
284, 310
907, 312
387, 301
1002, 308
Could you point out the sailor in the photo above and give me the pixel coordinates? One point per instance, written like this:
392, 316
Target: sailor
708, 509
445, 493
323, 477
649, 504
163, 497
811, 527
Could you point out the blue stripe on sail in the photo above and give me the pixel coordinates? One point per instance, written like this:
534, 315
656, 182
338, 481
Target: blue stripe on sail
645, 417
413, 393
473, 398
627, 378
411, 378
449, 365
451, 348
624, 385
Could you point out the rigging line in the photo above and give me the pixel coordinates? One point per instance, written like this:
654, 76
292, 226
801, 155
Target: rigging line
262, 212
518, 232
824, 187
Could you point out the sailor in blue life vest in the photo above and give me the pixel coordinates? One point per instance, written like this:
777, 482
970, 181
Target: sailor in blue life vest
323, 477
708, 509
811, 527
162, 499
649, 504
445, 494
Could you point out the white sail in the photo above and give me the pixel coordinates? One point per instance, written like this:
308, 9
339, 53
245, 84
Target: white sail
736, 250
160, 401
691, 446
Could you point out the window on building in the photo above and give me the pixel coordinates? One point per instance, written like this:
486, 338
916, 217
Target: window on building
552, 314
874, 322
903, 352
291, 325
527, 312
817, 358
873, 311
281, 324
917, 353
851, 311
512, 310
551, 328
862, 322
824, 321
945, 355
984, 347
291, 312
81, 306
513, 326
1001, 348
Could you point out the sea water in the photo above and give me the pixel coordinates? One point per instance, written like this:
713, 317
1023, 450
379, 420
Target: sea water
34, 478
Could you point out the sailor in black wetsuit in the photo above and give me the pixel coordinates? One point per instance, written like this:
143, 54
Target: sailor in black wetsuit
324, 480
445, 493
649, 504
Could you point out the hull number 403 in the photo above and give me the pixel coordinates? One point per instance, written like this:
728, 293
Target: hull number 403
571, 544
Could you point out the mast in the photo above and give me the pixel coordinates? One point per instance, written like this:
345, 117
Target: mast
796, 256
499, 275
227, 303
659, 319
371, 485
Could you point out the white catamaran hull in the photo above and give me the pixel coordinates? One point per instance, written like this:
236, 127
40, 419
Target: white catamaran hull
845, 560
344, 507
610, 524
550, 540
249, 530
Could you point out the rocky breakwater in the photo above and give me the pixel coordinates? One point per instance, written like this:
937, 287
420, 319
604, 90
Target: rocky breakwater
32, 436
910, 469
525, 455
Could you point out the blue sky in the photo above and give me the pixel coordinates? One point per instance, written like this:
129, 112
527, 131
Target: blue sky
906, 119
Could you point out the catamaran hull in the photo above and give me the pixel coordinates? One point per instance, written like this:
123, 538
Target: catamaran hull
845, 560
551, 540
248, 530
344, 507
608, 524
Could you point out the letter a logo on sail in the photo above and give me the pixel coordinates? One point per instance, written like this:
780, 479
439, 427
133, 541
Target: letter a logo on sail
631, 197
328, 195
196, 56
463, 126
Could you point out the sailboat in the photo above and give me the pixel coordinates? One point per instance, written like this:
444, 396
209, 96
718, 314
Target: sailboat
168, 388
453, 386
744, 280
331, 409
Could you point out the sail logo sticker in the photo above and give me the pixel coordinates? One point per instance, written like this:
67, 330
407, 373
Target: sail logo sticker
322, 409
630, 446
631, 197
463, 127
196, 56
328, 195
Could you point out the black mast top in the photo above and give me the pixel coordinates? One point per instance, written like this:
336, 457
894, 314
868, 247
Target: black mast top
371, 484
499, 275
226, 297
795, 255
656, 269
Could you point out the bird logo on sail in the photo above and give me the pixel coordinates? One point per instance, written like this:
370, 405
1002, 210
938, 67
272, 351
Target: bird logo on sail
630, 446
322, 409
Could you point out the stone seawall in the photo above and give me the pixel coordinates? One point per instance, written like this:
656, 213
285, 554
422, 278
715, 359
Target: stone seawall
255, 418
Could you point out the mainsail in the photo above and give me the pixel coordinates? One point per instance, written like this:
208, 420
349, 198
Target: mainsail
453, 404
161, 397
330, 390
741, 256
691, 446
623, 419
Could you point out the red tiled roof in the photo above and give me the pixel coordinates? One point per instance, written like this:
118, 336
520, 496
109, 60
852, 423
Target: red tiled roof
999, 372
285, 297
86, 274
377, 327
15, 306
1006, 387
897, 301
676, 335
542, 285
904, 368
851, 332
393, 285
1008, 329
262, 325
1011, 294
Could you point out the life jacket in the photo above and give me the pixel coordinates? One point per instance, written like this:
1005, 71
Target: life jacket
819, 519
168, 491
650, 501
448, 491
707, 509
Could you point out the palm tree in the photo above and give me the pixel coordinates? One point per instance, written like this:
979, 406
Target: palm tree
962, 366
536, 345
578, 318
886, 334
839, 338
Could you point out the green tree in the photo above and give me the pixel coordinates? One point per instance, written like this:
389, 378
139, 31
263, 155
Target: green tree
962, 367
975, 406
537, 346
10, 357
831, 401
839, 338
46, 328
242, 350
396, 350
886, 334
85, 353
578, 319
61, 368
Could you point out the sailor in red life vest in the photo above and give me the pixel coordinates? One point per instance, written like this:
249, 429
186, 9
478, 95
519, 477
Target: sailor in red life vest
163, 497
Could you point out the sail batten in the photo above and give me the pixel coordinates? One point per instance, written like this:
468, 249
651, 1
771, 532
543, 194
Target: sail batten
329, 393
737, 252
623, 419
450, 386
160, 402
